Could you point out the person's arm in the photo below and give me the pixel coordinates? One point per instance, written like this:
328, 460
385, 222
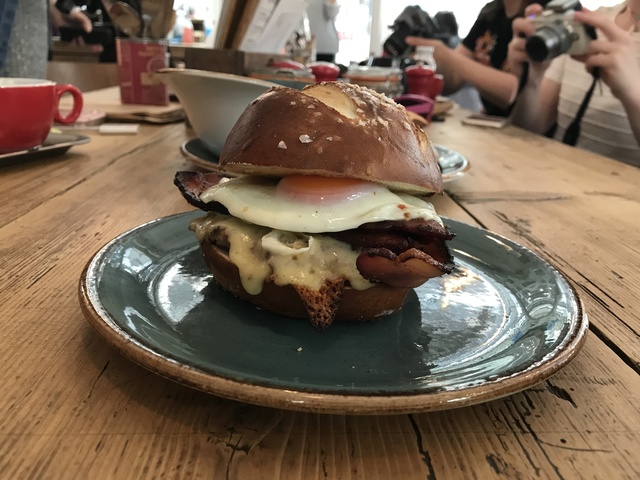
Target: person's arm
632, 108
617, 58
67, 13
458, 67
536, 107
453, 80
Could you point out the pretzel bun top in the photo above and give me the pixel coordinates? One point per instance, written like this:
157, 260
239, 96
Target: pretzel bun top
332, 129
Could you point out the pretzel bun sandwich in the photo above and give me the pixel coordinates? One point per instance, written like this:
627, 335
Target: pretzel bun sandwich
325, 217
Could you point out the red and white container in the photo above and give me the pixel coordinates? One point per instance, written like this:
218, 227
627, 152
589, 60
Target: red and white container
138, 60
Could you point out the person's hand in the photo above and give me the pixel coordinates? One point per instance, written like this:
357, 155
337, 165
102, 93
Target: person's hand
424, 42
75, 18
439, 48
517, 55
80, 19
615, 55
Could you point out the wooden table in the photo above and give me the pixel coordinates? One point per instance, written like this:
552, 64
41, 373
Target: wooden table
72, 407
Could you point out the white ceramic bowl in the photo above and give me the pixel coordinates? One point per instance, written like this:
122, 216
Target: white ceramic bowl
212, 101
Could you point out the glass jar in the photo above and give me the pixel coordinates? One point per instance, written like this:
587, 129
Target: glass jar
385, 80
424, 55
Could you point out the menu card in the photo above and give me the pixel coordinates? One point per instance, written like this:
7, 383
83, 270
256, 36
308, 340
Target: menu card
261, 26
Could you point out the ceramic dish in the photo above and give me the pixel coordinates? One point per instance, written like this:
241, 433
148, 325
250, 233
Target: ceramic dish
197, 152
54, 144
286, 77
452, 164
503, 321
212, 101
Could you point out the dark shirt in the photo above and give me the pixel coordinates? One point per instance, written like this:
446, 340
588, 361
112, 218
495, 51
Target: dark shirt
490, 36
65, 6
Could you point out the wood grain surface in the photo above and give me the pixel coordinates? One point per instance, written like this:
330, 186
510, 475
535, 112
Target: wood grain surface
72, 407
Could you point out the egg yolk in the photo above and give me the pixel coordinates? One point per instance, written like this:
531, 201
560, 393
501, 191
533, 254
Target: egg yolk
316, 189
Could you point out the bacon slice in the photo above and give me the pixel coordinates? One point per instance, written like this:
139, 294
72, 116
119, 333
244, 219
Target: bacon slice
194, 184
410, 269
401, 253
397, 240
414, 226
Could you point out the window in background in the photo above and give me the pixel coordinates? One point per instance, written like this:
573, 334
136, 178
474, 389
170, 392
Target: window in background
206, 10
354, 30
363, 25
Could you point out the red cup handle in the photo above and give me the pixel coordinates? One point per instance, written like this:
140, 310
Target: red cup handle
77, 104
437, 86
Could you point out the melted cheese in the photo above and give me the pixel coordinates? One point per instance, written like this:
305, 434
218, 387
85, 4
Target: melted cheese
285, 258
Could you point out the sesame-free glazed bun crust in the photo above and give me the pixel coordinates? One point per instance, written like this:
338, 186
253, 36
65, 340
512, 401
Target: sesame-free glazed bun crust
356, 305
335, 130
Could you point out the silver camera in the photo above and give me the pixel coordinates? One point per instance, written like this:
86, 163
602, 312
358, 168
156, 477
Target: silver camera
557, 32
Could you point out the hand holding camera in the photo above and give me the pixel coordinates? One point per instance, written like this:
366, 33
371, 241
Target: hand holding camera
517, 55
545, 33
614, 54
557, 32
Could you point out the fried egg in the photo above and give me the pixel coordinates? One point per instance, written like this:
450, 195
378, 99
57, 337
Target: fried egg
314, 204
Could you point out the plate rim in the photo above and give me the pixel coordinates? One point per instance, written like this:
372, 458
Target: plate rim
448, 177
214, 167
320, 402
39, 150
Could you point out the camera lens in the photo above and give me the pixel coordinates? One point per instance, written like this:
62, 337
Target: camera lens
395, 44
548, 42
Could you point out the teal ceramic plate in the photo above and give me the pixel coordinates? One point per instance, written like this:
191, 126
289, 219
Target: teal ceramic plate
503, 321
453, 165
197, 152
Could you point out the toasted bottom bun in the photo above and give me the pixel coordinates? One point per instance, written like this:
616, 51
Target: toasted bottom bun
356, 305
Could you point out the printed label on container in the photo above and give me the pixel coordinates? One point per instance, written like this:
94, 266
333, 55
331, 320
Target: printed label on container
137, 60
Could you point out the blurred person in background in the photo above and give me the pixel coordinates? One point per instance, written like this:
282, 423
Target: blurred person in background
184, 15
481, 59
24, 44
68, 14
86, 16
322, 23
555, 90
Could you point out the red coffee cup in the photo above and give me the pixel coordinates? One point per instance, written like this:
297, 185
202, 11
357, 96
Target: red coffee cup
29, 107
423, 80
437, 85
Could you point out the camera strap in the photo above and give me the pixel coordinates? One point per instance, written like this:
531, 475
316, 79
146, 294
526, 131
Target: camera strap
572, 133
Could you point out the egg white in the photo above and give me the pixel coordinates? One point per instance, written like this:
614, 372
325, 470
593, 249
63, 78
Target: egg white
256, 201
